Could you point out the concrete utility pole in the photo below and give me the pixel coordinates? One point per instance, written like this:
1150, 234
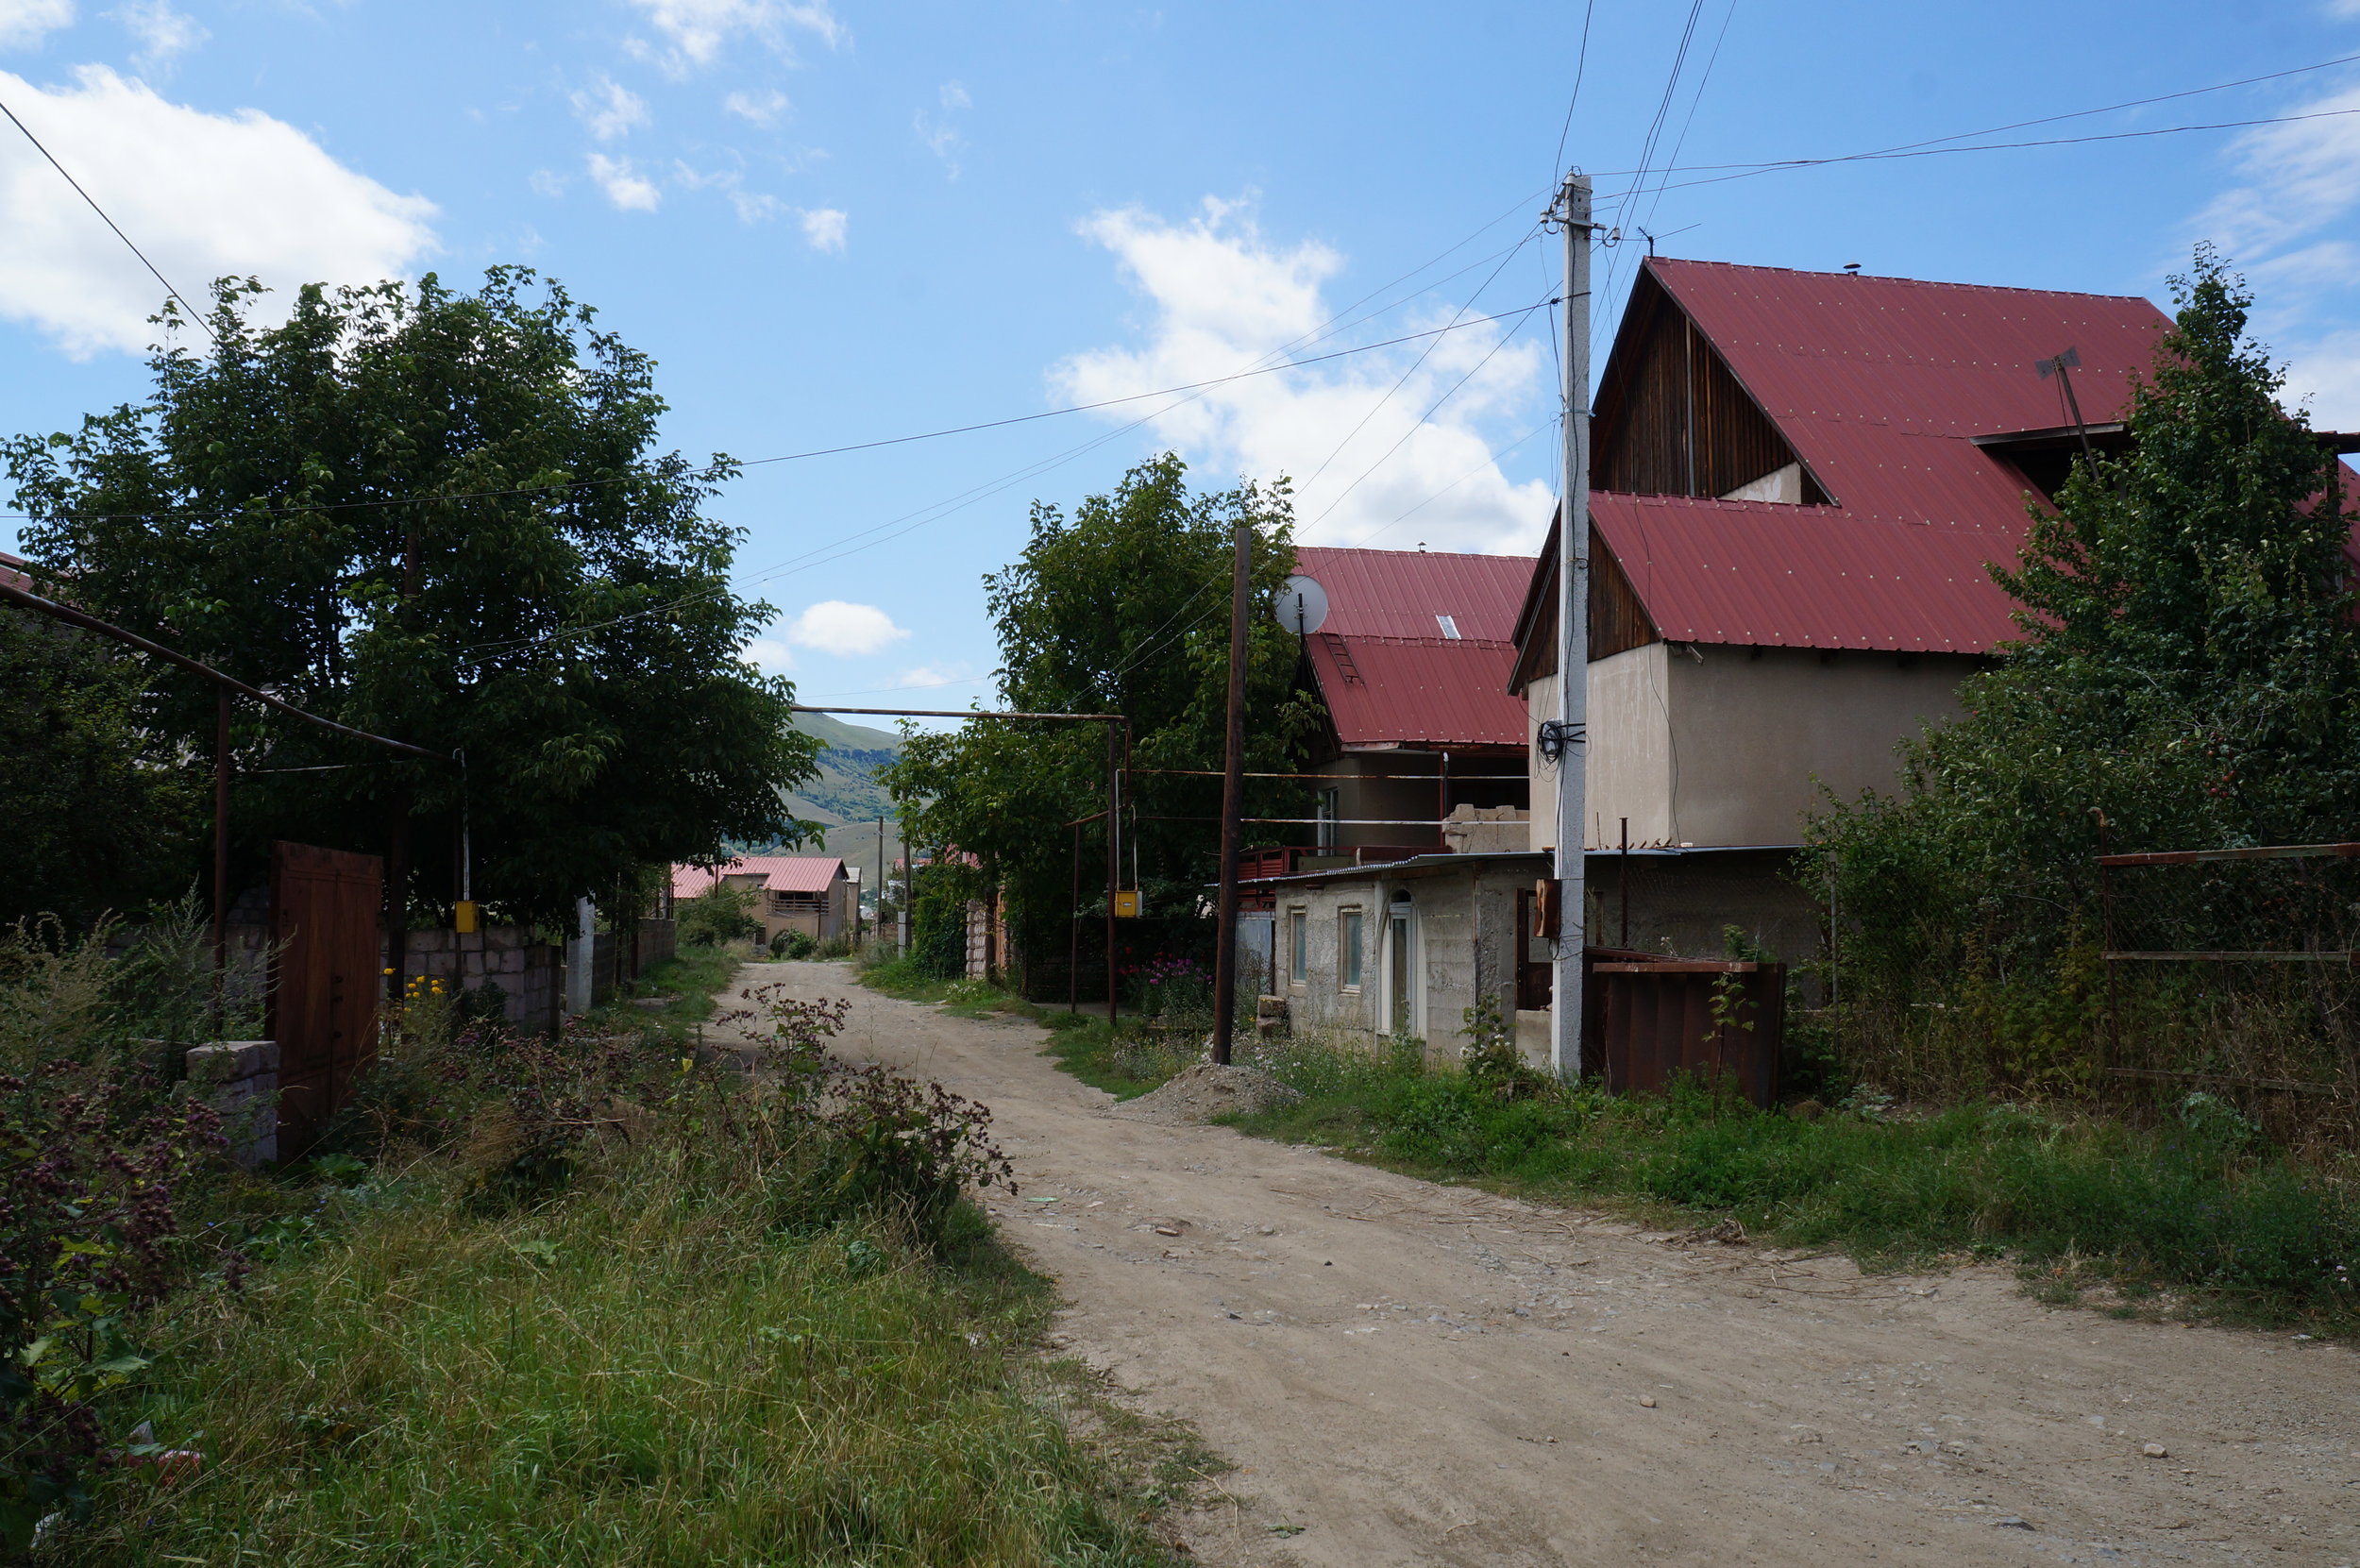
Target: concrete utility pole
1232, 803
1571, 739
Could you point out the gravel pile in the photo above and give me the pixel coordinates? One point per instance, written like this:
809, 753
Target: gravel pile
1203, 1091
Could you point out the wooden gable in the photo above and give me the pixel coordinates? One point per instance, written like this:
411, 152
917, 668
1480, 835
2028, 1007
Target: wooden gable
1672, 419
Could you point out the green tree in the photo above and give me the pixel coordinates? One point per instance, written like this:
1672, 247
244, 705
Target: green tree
439, 516
1122, 608
2188, 667
96, 815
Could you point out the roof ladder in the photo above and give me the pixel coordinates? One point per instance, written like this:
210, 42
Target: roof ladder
1343, 655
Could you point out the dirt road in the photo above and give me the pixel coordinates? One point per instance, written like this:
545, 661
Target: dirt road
1413, 1374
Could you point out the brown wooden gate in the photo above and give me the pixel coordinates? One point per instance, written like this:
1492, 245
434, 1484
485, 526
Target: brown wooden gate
1655, 1018
324, 909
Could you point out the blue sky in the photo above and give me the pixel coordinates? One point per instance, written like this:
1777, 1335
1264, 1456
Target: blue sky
831, 222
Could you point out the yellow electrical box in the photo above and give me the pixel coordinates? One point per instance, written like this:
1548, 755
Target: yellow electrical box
462, 916
1126, 903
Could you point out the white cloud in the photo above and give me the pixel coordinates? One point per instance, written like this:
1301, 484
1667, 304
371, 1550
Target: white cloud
833, 626
205, 195
752, 205
612, 111
761, 109
25, 23
936, 675
1223, 299
163, 33
624, 185
2326, 375
943, 139
768, 655
824, 227
2285, 223
698, 28
547, 182
2298, 178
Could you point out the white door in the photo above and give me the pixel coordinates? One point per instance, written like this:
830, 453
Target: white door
1400, 997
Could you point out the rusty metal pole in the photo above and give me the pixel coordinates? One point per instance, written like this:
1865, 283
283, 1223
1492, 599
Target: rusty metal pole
1073, 933
221, 853
2106, 940
1113, 863
1233, 801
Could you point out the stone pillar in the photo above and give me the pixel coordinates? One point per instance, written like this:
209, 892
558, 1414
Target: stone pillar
240, 1079
581, 957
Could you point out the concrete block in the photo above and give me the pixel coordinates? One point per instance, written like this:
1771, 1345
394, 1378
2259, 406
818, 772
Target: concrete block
227, 1061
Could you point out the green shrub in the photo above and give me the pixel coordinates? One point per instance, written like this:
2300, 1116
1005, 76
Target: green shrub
723, 914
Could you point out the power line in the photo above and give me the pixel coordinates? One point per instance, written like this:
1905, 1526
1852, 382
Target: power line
193, 313
854, 447
1747, 171
1581, 69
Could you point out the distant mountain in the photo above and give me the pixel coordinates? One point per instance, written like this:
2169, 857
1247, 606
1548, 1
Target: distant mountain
847, 788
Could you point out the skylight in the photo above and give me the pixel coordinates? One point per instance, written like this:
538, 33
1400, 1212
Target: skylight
1449, 625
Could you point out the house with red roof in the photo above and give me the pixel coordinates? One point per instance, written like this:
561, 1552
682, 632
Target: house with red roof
1411, 664
818, 895
1799, 484
1423, 758
1801, 480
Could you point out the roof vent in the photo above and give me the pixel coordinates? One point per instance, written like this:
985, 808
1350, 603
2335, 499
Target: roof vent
1449, 625
1851, 269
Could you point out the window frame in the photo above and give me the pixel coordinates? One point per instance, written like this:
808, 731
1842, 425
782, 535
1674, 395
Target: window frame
1352, 925
1298, 946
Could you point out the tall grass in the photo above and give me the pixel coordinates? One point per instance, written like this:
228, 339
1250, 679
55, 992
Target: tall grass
652, 1371
2202, 1206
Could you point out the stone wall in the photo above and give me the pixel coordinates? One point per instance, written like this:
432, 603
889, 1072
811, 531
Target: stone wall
240, 1079
530, 974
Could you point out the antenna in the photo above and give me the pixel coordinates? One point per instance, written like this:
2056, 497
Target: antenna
2070, 359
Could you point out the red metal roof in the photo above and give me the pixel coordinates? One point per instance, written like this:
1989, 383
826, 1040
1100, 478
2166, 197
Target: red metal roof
1398, 593
1879, 384
1385, 667
12, 571
1417, 691
1712, 571
780, 873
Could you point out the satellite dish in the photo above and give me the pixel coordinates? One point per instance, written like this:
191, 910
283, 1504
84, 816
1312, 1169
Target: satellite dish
1301, 605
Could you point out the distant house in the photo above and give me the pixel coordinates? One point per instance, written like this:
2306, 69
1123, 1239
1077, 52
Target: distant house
1423, 755
1411, 666
817, 895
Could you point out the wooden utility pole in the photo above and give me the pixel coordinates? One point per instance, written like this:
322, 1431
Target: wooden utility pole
1232, 802
1570, 742
1113, 863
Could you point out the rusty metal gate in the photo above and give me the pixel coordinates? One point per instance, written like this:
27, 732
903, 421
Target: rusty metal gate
1650, 1018
323, 911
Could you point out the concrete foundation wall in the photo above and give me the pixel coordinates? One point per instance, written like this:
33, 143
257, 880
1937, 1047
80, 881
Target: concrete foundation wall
1729, 745
1463, 932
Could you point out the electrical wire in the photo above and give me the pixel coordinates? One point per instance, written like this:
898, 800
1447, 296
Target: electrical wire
1581, 69
1415, 364
195, 314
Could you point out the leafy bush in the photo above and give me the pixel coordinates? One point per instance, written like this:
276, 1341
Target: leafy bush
865, 1140
91, 1165
793, 945
723, 914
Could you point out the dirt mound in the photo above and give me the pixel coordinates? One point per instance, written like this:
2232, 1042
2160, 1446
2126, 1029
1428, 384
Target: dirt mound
1203, 1091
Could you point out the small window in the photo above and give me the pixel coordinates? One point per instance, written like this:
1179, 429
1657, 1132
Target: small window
1449, 625
1298, 946
1331, 811
1348, 950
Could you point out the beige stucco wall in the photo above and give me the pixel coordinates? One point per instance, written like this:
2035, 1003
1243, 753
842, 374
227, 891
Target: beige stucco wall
1726, 745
